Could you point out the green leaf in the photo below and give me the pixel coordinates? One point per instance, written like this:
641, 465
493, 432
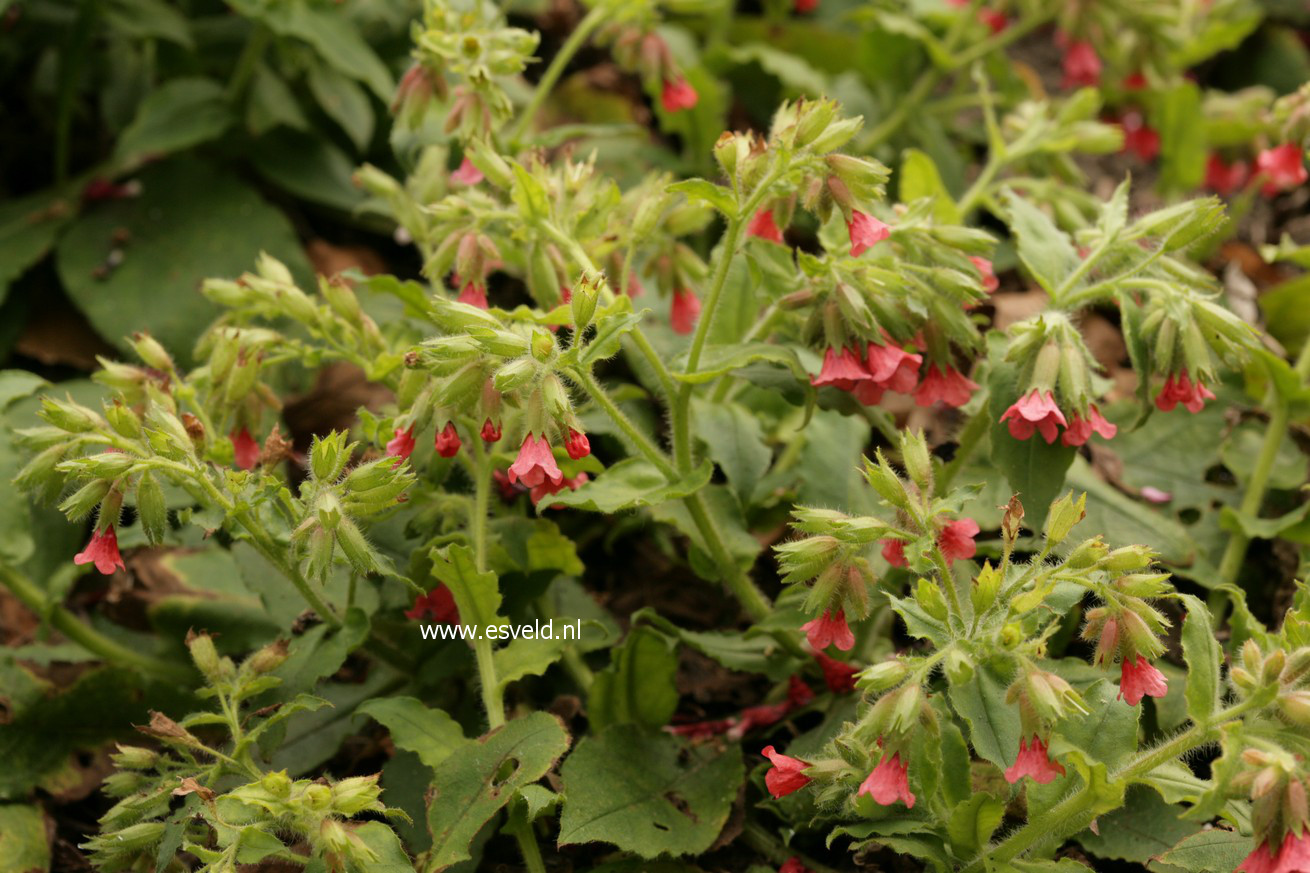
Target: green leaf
471, 787
993, 723
1143, 828
336, 39
630, 483
972, 823
707, 192
344, 102
1204, 660
612, 323
477, 594
1108, 733
311, 168
719, 360
23, 844
1183, 146
919, 178
382, 842
1045, 250
1121, 519
648, 793
530, 657
320, 652
28, 228
638, 686
1286, 310
532, 545
752, 652
271, 103
177, 115
1211, 851
1234, 520
429, 733
792, 71
724, 510
148, 19
735, 441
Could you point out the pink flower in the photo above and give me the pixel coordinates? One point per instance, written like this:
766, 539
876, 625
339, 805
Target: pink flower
634, 288
402, 444
837, 675
547, 488
1139, 679
1293, 856
467, 174
474, 294
842, 370
1151, 494
829, 629
491, 431
989, 281
577, 445
1222, 178
866, 232
941, 382
889, 782
892, 367
1080, 429
439, 603
535, 463
956, 539
1033, 762
1082, 66
803, 6
994, 19
893, 552
1135, 81
447, 441
1179, 388
684, 311
245, 449
1035, 411
786, 775
102, 551
1281, 167
1139, 138
763, 226
678, 95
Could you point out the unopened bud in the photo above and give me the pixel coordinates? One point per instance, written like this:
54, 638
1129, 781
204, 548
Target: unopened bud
1295, 707
836, 134
881, 676
514, 374
583, 302
268, 658
1064, 514
135, 758
151, 352
929, 597
69, 416
1087, 554
151, 508
918, 462
205, 656
277, 783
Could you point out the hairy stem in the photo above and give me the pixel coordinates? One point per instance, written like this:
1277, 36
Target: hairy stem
580, 35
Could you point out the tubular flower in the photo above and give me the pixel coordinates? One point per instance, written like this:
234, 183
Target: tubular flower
1139, 138
889, 782
1080, 429
1179, 388
491, 431
1033, 762
535, 463
684, 311
447, 441
763, 226
994, 19
401, 445
1222, 178
474, 294
245, 449
439, 603
793, 864
1281, 168
1293, 856
829, 629
837, 675
1140, 679
989, 281
866, 232
1035, 411
956, 540
786, 775
892, 367
1082, 66
538, 492
893, 552
842, 370
577, 445
102, 551
467, 174
946, 384
803, 6
678, 95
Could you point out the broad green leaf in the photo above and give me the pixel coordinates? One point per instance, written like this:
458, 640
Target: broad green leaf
345, 102
827, 473
1142, 829
1122, 520
752, 652
271, 103
630, 483
1211, 851
707, 192
638, 686
1176, 782
532, 656
1234, 520
471, 787
1183, 147
311, 168
611, 324
28, 228
529, 195
320, 652
1286, 310
477, 594
429, 733
720, 359
972, 823
725, 512
735, 441
1108, 733
177, 115
148, 19
648, 793
24, 847
532, 545
1204, 660
337, 40
1045, 250
919, 178
792, 71
1244, 445
993, 723
919, 623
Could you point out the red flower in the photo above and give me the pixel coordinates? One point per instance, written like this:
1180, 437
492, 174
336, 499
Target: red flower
491, 431
793, 864
678, 95
1082, 66
893, 551
102, 551
1135, 81
474, 294
1224, 179
508, 490
447, 441
787, 774
577, 445
1281, 167
989, 281
941, 382
866, 232
1293, 856
1179, 388
892, 367
994, 19
245, 449
684, 311
1035, 411
956, 539
537, 493
467, 174
1080, 429
1138, 137
402, 444
803, 6
535, 463
438, 603
763, 226
1033, 762
829, 629
842, 370
1140, 679
837, 675
889, 782
798, 693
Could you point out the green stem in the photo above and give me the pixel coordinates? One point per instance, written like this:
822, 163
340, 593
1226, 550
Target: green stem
759, 839
639, 440
521, 828
580, 35
491, 697
970, 438
978, 189
249, 60
86, 636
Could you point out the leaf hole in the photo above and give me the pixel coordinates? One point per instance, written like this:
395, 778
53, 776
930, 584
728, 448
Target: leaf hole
505, 772
680, 804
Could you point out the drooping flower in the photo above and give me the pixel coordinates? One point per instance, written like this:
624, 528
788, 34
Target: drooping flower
1293, 856
1139, 678
793, 864
829, 629
842, 370
1179, 388
447, 441
535, 463
439, 603
798, 693
102, 551
989, 281
467, 174
508, 490
892, 367
577, 445
1082, 66
684, 311
1281, 167
803, 6
893, 552
787, 774
491, 431
837, 675
1080, 429
944, 383
1135, 81
763, 226
401, 445
865, 231
244, 448
678, 95
1033, 762
889, 782
1035, 411
1139, 138
474, 294
995, 19
1222, 178
547, 488
956, 539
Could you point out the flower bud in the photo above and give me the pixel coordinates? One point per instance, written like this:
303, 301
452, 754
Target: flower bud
958, 667
84, 500
205, 656
123, 420
813, 119
1295, 707
1144, 584
355, 795
514, 374
1242, 679
1087, 554
277, 783
151, 352
1298, 663
69, 416
583, 302
318, 797
918, 463
356, 549
134, 758
151, 508
985, 588
728, 152
1273, 667
1127, 559
489, 163
836, 134
1011, 635
885, 481
930, 599
542, 345
328, 456
555, 398
378, 183
268, 658
341, 299
879, 677
1252, 659
1064, 514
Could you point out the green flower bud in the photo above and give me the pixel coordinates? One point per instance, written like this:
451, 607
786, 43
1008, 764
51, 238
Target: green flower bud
123, 420
586, 294
376, 182
985, 588
84, 500
813, 118
205, 656
1065, 513
152, 352
318, 797
328, 456
490, 163
277, 784
836, 135
1087, 554
918, 462
356, 549
879, 677
341, 299
1127, 559
958, 667
134, 758
151, 508
1295, 707
355, 795
69, 416
41, 477
885, 481
930, 599
268, 658
514, 374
